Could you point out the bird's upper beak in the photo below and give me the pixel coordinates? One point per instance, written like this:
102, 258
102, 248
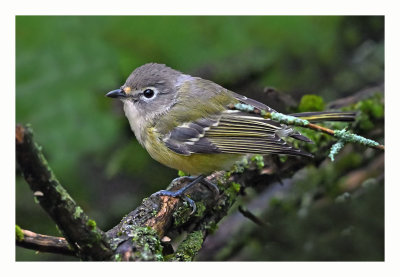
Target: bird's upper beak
116, 93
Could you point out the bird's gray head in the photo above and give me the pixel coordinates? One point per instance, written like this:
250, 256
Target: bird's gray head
149, 91
151, 88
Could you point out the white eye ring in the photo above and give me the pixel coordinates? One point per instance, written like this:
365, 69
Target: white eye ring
149, 93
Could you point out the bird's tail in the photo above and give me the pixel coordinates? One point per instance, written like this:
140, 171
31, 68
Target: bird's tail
326, 116
322, 116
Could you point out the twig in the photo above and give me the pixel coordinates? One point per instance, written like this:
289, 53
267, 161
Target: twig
358, 96
328, 131
85, 238
43, 243
251, 216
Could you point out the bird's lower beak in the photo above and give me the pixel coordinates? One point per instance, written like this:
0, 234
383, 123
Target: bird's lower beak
116, 93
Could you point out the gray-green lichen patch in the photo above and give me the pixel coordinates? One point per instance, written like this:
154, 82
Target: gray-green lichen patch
188, 249
183, 214
201, 208
78, 212
147, 244
144, 244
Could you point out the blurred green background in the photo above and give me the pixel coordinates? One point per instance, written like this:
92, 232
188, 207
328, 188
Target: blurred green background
65, 65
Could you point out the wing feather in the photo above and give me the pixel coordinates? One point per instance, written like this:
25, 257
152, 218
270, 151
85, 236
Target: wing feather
243, 99
231, 133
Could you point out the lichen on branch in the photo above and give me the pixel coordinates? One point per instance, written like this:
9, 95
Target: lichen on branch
87, 240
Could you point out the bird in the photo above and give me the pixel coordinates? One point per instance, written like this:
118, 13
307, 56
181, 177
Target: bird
185, 123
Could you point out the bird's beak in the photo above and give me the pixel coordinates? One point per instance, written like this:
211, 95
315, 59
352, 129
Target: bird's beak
116, 93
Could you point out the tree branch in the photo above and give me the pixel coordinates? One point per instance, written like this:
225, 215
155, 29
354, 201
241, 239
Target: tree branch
87, 240
159, 216
43, 243
138, 235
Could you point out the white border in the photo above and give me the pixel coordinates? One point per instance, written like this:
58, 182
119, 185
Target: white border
339, 7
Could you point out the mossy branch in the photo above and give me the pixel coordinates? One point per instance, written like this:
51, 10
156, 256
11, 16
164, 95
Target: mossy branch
158, 216
84, 237
139, 236
146, 232
42, 243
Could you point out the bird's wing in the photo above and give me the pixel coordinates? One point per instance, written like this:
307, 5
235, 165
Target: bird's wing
231, 132
261, 106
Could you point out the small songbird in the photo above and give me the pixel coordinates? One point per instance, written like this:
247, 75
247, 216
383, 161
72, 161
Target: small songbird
184, 122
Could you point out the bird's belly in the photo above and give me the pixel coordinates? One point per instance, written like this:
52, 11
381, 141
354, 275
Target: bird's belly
194, 164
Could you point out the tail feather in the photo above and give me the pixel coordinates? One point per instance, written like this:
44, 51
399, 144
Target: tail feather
326, 116
321, 116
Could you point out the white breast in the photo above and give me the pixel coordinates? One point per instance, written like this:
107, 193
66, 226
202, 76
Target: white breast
137, 122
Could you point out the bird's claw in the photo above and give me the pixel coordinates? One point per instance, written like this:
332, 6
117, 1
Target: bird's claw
177, 194
181, 192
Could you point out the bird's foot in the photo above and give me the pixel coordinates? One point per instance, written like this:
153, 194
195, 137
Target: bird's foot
181, 192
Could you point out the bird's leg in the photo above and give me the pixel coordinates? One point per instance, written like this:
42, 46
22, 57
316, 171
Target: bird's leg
211, 186
181, 179
181, 192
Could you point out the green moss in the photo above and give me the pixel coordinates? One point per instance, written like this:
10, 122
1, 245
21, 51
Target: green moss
283, 158
63, 193
181, 173
91, 223
147, 244
259, 160
236, 186
117, 257
18, 233
182, 214
200, 209
320, 140
231, 193
78, 212
364, 122
188, 249
212, 227
240, 166
370, 110
372, 106
311, 103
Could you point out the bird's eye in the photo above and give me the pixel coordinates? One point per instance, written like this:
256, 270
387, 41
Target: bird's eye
148, 93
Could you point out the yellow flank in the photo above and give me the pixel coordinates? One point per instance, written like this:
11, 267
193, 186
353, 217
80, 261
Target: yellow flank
193, 164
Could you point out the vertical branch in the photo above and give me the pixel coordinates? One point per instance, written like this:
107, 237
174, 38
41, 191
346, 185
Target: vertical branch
86, 239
